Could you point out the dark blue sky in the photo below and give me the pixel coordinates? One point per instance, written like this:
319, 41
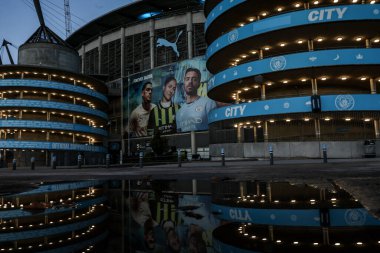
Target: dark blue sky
18, 20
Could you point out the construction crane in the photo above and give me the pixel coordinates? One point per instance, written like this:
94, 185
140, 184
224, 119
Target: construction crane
67, 17
5, 44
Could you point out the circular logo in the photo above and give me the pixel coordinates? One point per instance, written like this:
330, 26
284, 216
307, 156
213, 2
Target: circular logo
344, 102
355, 217
198, 108
266, 107
286, 105
272, 217
249, 69
233, 36
376, 11
278, 63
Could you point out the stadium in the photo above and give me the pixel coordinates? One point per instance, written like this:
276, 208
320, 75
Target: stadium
298, 75
147, 41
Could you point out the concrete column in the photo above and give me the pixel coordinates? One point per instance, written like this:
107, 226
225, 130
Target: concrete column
310, 45
237, 98
263, 96
269, 192
240, 134
193, 143
376, 126
243, 189
100, 45
314, 86
152, 44
261, 54
367, 43
317, 128
83, 49
306, 5
266, 136
254, 134
372, 84
189, 31
122, 71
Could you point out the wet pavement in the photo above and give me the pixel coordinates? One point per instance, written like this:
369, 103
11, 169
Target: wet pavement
359, 177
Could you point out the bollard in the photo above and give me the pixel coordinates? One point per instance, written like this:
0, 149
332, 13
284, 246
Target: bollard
324, 151
108, 159
14, 163
53, 162
141, 157
79, 161
270, 155
32, 162
179, 157
223, 157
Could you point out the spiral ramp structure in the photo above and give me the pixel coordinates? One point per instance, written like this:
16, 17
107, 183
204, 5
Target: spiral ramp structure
294, 72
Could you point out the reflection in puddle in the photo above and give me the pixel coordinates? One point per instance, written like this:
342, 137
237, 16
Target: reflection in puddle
184, 216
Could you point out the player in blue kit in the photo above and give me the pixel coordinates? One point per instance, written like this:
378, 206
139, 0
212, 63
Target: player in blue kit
193, 114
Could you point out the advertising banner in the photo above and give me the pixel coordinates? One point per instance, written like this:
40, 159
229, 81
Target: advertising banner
168, 99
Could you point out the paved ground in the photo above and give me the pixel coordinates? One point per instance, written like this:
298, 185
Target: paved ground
360, 177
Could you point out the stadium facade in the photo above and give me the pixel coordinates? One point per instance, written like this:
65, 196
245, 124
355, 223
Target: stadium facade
298, 74
146, 41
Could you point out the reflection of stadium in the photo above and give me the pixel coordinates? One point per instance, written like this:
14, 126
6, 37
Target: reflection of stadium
279, 217
154, 35
298, 72
61, 217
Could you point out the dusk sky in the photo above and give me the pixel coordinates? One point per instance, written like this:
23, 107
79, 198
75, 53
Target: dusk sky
18, 19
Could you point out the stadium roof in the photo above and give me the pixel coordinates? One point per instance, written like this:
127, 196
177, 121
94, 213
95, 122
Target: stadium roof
128, 14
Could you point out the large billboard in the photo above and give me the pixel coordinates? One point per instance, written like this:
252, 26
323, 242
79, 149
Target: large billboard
168, 99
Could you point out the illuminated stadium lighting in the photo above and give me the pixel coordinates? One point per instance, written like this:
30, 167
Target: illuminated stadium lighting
372, 2
347, 119
324, 78
354, 1
363, 78
358, 38
285, 81
266, 48
244, 56
251, 19
271, 121
344, 78
297, 5
303, 80
359, 243
339, 38
327, 119
336, 1
320, 39
282, 44
255, 86
246, 88
241, 25
337, 244
279, 9
295, 243
316, 2
300, 41
315, 244
307, 119
264, 14
376, 40
254, 52
288, 120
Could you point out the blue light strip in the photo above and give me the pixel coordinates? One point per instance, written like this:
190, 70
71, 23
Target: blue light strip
330, 103
38, 233
20, 213
322, 58
50, 85
77, 247
40, 145
24, 103
46, 188
33, 124
294, 217
221, 8
294, 19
